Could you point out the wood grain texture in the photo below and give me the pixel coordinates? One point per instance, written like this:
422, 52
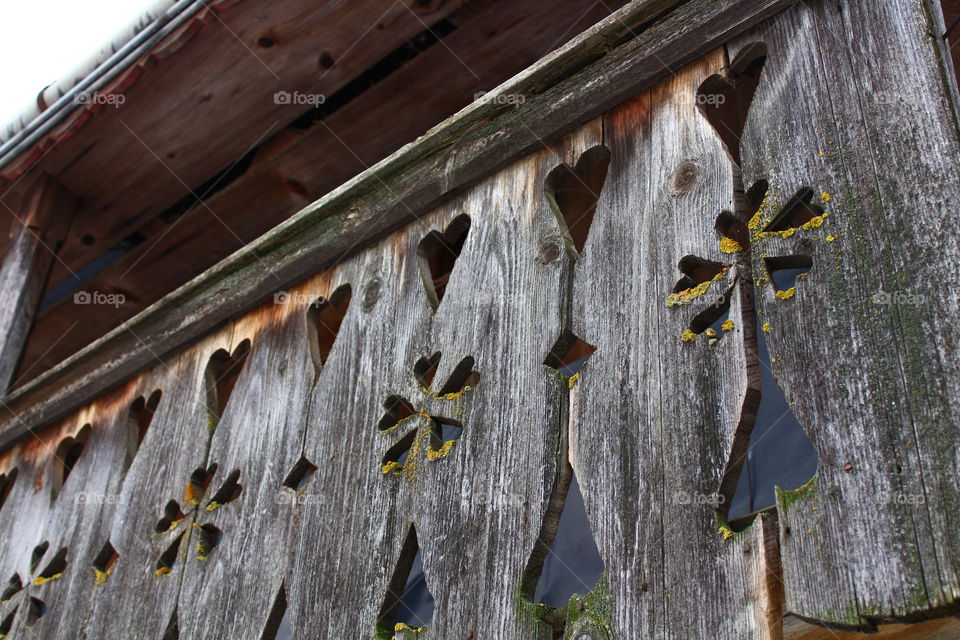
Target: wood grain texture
654, 416
295, 166
477, 511
36, 232
866, 348
230, 592
138, 598
600, 68
74, 516
203, 99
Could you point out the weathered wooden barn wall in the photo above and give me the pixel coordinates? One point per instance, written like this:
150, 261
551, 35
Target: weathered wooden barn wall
279, 471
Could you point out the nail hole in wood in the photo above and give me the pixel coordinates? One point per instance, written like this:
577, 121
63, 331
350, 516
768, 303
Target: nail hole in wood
298, 476
223, 371
438, 253
325, 320
573, 193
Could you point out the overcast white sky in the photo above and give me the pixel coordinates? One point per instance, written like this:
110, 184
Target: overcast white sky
43, 40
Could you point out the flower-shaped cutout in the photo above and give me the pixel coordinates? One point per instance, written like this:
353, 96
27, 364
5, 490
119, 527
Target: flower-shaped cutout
431, 429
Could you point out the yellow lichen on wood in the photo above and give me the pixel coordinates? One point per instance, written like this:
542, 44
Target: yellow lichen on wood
40, 580
757, 218
815, 223
572, 380
163, 572
439, 454
391, 467
688, 336
786, 294
101, 576
766, 327
692, 293
729, 245
726, 532
727, 325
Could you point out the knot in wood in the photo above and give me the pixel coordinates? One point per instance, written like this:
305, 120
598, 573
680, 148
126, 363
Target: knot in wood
371, 294
685, 175
550, 251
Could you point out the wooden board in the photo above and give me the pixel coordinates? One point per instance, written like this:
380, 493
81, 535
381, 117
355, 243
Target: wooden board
140, 597
656, 411
73, 516
295, 166
203, 98
562, 91
477, 511
230, 591
865, 349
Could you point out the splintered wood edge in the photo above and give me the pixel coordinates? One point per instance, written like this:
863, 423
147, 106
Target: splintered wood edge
627, 52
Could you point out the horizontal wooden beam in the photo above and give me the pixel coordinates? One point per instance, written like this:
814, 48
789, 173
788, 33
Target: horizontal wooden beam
298, 166
637, 46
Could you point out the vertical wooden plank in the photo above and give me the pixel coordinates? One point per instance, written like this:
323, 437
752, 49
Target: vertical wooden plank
655, 411
231, 589
26, 508
477, 504
854, 106
152, 528
36, 234
77, 528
